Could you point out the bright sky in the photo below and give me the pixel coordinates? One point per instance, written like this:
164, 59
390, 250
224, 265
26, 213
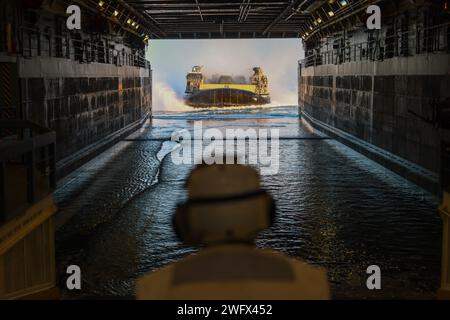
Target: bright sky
172, 59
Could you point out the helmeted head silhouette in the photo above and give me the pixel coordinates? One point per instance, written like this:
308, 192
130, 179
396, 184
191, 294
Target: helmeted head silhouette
225, 204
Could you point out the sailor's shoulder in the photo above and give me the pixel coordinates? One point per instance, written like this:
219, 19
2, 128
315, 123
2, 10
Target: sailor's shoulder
311, 279
151, 284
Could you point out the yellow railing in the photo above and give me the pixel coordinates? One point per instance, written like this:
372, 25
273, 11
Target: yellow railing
444, 211
27, 180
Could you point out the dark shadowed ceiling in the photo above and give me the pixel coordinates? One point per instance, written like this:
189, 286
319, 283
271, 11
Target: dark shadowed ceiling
192, 19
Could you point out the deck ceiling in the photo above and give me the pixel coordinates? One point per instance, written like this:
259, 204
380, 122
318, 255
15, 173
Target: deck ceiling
202, 19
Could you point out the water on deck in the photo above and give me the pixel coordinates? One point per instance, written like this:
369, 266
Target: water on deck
336, 209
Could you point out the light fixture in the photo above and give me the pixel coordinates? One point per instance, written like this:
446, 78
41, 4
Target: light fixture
115, 13
137, 26
319, 20
133, 24
101, 3
330, 13
343, 3
129, 21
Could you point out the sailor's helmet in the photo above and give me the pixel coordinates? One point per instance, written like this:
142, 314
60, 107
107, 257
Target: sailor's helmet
225, 204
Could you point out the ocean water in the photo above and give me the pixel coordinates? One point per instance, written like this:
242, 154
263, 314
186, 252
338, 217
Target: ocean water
335, 209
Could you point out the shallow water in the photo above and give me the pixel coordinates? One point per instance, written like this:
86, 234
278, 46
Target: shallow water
335, 209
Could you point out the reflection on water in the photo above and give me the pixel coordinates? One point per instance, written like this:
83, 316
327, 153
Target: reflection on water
335, 209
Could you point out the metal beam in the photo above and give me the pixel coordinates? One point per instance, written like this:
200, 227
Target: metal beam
199, 10
220, 18
283, 13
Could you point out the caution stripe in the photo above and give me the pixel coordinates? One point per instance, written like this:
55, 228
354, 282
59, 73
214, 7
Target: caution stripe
7, 110
6, 85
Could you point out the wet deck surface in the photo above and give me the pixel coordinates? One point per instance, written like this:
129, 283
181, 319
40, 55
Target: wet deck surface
336, 209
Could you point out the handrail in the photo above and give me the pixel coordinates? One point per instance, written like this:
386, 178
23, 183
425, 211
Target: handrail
33, 148
428, 40
34, 42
